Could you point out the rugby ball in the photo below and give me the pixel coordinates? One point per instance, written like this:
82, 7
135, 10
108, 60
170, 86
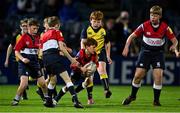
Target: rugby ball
90, 66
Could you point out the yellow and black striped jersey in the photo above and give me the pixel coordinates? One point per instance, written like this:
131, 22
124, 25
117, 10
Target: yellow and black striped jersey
100, 35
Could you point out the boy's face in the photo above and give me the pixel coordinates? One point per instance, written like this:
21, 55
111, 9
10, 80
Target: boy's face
91, 49
24, 27
96, 23
154, 18
33, 29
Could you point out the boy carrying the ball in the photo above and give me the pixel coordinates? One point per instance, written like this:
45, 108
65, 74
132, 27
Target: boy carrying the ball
85, 70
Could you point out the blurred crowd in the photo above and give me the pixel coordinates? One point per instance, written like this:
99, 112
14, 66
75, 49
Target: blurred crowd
74, 15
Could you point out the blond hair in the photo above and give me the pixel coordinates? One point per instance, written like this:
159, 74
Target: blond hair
156, 10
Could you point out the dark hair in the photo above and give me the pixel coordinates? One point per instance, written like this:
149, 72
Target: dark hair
52, 21
90, 41
33, 21
25, 20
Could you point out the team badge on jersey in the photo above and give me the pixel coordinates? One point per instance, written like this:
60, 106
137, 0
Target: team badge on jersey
27, 43
148, 33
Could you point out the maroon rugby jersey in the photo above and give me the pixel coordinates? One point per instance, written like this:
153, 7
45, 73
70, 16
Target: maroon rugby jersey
83, 59
153, 38
27, 41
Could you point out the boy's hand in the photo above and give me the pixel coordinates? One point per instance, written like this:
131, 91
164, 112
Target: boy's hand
125, 51
109, 60
172, 48
25, 60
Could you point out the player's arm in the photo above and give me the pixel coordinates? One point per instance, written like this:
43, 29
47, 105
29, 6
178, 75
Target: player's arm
82, 43
108, 52
108, 48
19, 56
18, 47
128, 43
9, 51
172, 38
83, 38
173, 47
135, 34
65, 52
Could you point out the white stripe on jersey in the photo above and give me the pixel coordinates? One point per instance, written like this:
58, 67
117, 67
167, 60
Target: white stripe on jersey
29, 51
50, 44
153, 41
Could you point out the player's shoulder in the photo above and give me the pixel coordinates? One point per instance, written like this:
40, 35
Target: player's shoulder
164, 24
147, 22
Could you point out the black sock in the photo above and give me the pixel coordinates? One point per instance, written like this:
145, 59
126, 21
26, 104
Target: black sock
79, 88
54, 92
73, 93
27, 87
50, 92
24, 94
89, 92
134, 91
40, 92
105, 83
59, 95
157, 93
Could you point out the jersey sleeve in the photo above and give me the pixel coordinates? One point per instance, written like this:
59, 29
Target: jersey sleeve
139, 30
20, 44
169, 33
106, 37
59, 35
84, 33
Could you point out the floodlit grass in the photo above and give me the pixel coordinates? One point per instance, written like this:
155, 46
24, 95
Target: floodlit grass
143, 103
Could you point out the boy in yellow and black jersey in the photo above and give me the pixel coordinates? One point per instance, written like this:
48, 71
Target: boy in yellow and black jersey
97, 32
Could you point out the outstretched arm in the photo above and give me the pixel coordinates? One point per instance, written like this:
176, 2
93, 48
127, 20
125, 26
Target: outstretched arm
128, 43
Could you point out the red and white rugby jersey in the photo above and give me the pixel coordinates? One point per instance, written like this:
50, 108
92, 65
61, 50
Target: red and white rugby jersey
50, 38
154, 39
28, 44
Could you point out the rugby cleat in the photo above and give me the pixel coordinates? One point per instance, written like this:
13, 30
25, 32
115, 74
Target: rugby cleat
48, 102
156, 103
76, 103
14, 102
128, 100
90, 101
107, 93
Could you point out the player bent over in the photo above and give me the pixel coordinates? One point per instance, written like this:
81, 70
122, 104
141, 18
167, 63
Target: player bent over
26, 50
152, 53
82, 72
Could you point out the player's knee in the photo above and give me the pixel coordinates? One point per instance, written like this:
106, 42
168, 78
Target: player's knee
137, 79
103, 76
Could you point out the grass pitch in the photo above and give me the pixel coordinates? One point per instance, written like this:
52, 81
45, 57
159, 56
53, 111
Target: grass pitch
143, 103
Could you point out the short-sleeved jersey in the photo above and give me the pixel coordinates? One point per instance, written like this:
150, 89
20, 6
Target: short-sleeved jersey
83, 59
27, 41
28, 46
154, 38
99, 35
49, 40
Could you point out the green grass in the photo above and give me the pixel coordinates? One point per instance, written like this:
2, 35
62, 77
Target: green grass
169, 101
